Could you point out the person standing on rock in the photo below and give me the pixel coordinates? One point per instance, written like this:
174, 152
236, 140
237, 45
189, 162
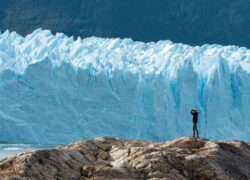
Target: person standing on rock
194, 112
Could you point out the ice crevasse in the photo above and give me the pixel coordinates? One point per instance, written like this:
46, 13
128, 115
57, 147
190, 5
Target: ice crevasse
57, 89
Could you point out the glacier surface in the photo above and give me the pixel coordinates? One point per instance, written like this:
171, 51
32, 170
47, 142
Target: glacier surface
54, 89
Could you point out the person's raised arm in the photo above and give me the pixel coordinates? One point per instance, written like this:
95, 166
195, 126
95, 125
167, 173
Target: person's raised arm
192, 112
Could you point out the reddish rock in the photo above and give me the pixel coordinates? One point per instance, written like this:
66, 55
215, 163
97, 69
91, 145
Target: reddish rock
110, 158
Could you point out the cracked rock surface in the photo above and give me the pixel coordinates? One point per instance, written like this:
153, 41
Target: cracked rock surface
111, 158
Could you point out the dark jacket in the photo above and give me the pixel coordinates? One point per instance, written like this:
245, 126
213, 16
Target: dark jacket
195, 116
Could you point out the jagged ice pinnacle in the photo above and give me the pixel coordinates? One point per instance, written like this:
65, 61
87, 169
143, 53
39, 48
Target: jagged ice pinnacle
54, 89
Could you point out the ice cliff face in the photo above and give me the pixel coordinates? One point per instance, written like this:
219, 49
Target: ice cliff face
54, 89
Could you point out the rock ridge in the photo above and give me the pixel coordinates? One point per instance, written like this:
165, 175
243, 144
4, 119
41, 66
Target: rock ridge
113, 158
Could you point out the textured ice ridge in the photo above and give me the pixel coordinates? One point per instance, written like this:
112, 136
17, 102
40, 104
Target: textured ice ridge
55, 89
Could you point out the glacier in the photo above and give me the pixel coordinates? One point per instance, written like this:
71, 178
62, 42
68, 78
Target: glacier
56, 89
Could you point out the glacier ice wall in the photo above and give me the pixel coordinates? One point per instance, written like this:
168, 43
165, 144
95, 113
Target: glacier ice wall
54, 89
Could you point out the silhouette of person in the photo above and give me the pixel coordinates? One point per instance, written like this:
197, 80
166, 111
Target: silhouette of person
195, 114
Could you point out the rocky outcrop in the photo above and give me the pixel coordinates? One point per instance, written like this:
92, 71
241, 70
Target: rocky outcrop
110, 158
